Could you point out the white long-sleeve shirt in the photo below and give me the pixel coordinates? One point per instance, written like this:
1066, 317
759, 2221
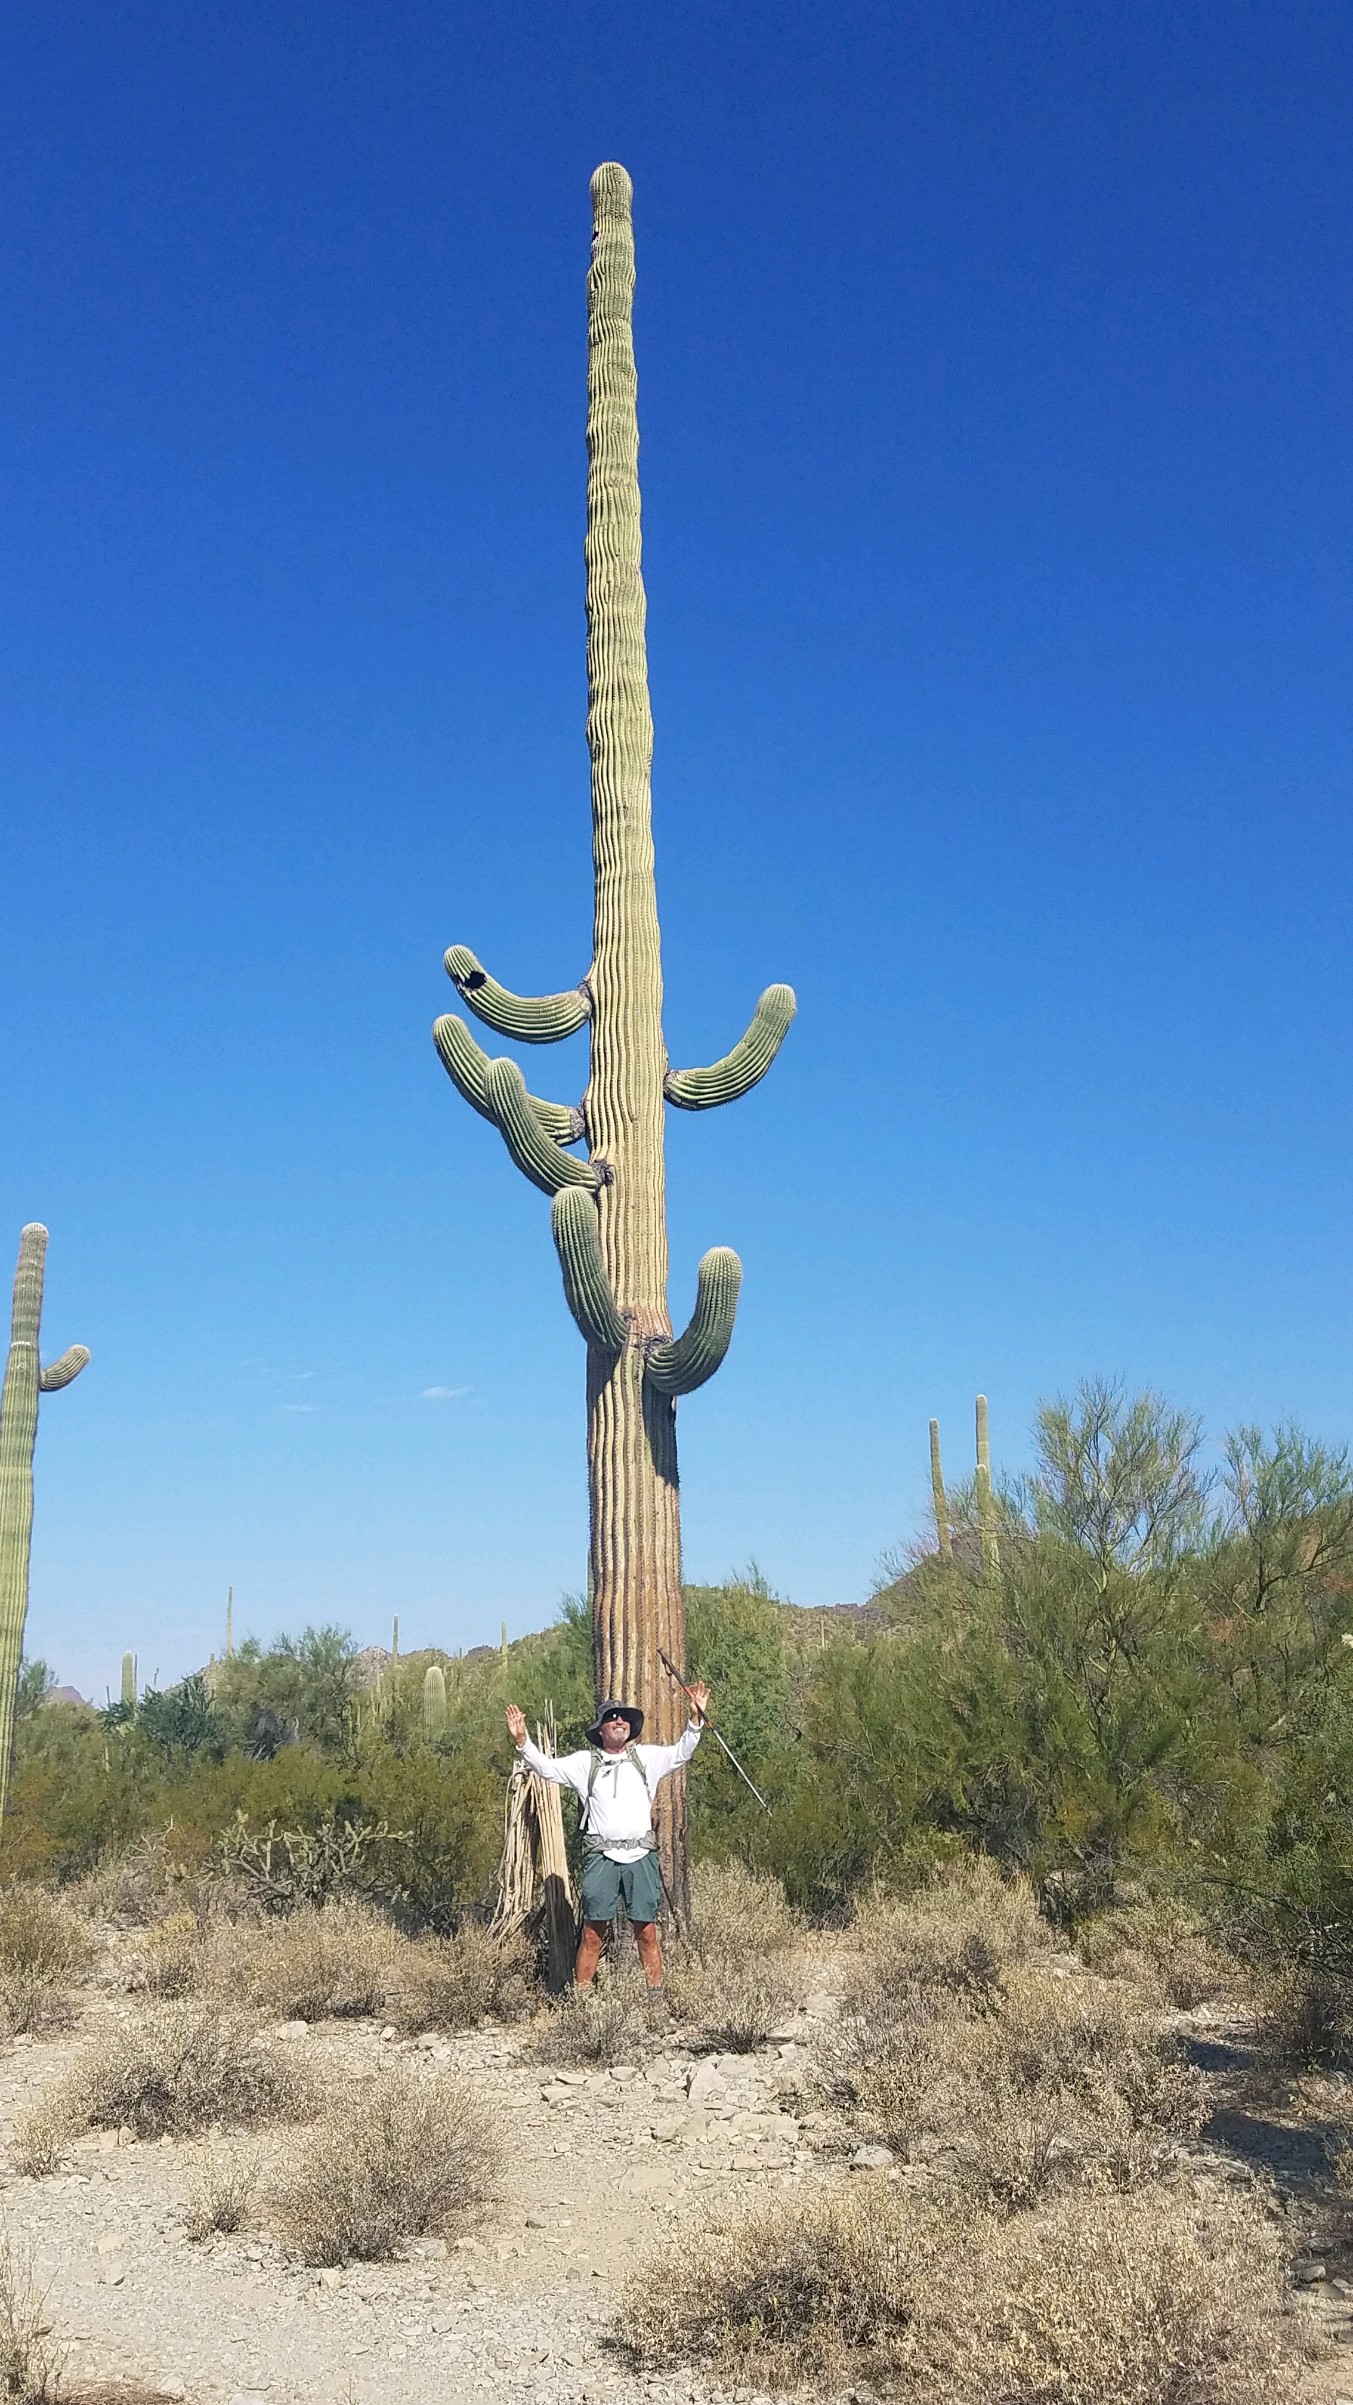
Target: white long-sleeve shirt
620, 1811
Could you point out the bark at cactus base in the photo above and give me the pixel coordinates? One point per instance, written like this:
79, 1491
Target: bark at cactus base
637, 1603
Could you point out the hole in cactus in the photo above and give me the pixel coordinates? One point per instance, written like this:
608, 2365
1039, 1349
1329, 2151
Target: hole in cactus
473, 979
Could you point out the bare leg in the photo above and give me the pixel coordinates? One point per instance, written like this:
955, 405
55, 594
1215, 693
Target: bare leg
650, 1951
589, 1952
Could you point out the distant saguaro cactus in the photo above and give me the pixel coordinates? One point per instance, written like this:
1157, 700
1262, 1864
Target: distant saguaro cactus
25, 1380
986, 1513
434, 1701
129, 1681
941, 1500
609, 1211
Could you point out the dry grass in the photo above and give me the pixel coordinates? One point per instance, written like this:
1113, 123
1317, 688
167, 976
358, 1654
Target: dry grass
137, 1886
30, 2364
1161, 1948
402, 2158
43, 1951
1148, 2301
182, 2069
331, 1961
455, 1983
220, 2196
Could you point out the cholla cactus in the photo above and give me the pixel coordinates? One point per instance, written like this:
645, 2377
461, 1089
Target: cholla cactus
25, 1380
434, 1701
609, 1209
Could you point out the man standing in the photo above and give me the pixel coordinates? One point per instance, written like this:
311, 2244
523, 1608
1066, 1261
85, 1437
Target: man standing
615, 1782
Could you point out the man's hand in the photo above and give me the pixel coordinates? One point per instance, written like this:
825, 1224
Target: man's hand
516, 1724
699, 1696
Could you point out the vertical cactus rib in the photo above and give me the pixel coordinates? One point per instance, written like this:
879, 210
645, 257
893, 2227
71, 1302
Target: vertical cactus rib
468, 1069
728, 1079
537, 1157
986, 1514
940, 1499
539, 1019
587, 1289
678, 1367
25, 1380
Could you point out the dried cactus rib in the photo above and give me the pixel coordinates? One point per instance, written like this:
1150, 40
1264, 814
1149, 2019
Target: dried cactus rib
537, 1157
468, 1066
728, 1079
527, 1018
587, 1289
684, 1362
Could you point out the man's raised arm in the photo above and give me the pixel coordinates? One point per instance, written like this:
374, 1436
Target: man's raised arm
660, 1759
561, 1769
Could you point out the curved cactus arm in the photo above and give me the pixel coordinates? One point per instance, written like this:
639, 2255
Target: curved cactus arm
60, 1373
468, 1067
529, 1019
738, 1071
681, 1363
587, 1289
509, 1107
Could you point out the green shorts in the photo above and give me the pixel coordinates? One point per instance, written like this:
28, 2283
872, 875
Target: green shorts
605, 1883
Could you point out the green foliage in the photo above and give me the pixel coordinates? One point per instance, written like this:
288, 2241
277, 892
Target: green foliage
36, 1683
183, 1721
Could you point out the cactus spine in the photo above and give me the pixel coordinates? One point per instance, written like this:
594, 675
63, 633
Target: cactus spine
434, 1701
25, 1380
941, 1500
129, 1682
986, 1515
609, 1211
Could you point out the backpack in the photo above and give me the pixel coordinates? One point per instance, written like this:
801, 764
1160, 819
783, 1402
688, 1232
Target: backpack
631, 1754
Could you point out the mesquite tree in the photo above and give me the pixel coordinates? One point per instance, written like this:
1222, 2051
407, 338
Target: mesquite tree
25, 1380
609, 1210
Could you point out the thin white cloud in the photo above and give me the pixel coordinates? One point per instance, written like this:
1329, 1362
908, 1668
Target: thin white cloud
300, 1407
442, 1394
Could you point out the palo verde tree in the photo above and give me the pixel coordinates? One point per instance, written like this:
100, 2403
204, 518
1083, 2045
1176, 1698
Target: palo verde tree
25, 1380
609, 1209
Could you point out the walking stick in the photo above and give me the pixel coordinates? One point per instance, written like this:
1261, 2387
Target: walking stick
672, 1672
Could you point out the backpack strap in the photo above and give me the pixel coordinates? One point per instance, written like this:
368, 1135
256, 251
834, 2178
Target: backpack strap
633, 1756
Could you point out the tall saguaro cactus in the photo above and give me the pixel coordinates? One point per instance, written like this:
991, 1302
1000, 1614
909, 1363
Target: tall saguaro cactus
938, 1495
609, 1211
25, 1380
986, 1510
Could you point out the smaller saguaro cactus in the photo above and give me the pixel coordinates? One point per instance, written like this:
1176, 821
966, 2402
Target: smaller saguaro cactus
434, 1701
25, 1381
129, 1681
986, 1514
230, 1624
941, 1500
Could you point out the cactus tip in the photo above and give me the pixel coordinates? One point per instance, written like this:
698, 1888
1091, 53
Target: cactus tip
612, 191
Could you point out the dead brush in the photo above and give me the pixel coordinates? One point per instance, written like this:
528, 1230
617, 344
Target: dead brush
1159, 1946
221, 2194
1059, 2082
404, 2157
44, 1950
137, 1885
31, 2364
173, 1959
181, 2069
794, 2294
959, 1935
596, 2026
457, 1982
1145, 2300
732, 1980
337, 1961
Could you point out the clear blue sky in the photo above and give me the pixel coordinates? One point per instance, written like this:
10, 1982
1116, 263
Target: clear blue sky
994, 402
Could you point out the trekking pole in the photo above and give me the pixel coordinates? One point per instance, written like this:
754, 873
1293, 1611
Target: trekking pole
673, 1672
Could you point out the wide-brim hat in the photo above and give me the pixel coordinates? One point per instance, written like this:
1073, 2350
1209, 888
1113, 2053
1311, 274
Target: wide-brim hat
608, 1711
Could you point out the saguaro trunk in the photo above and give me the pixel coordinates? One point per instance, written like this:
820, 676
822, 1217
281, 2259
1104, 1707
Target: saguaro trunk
25, 1380
609, 1214
631, 1429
